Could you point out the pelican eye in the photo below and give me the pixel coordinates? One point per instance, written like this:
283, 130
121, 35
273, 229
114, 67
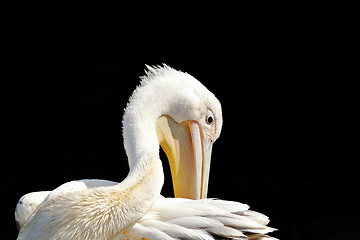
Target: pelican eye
209, 119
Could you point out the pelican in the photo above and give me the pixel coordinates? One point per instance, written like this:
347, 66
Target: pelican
173, 110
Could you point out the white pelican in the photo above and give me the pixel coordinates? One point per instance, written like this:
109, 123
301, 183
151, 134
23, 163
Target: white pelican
171, 109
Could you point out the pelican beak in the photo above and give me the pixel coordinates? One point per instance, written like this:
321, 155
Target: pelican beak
189, 153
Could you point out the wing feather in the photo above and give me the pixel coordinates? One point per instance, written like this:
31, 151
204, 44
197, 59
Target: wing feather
205, 219
196, 222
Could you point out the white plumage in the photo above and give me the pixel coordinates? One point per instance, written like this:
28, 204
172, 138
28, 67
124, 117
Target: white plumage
27, 205
174, 218
173, 109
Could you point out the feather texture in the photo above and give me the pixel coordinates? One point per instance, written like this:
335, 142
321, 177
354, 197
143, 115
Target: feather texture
177, 218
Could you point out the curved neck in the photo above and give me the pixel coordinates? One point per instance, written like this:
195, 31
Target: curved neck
140, 139
141, 142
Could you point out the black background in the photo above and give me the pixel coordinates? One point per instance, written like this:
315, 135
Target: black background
282, 79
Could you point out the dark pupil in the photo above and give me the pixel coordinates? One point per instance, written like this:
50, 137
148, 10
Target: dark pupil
210, 119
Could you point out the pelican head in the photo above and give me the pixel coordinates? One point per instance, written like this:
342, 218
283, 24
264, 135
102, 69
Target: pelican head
188, 121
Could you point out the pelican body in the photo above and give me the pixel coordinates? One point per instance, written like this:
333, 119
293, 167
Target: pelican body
173, 110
